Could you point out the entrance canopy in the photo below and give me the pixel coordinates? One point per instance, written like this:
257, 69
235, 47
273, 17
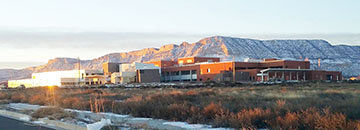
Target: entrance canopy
282, 70
265, 72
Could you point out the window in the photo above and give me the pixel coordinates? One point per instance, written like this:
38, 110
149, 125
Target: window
208, 70
193, 71
189, 61
175, 73
185, 72
181, 61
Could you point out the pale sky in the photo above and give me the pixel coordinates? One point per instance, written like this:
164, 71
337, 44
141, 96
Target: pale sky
34, 31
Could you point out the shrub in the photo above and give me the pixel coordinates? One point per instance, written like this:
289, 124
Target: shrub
74, 103
3, 96
178, 112
51, 113
334, 121
38, 99
18, 97
175, 92
289, 122
250, 118
191, 93
134, 99
280, 103
210, 111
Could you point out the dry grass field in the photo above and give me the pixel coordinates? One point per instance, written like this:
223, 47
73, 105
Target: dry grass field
298, 106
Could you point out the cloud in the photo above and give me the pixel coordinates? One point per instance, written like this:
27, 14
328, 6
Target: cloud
91, 40
125, 41
19, 65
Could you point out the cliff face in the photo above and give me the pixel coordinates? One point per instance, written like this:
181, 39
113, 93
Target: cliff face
340, 57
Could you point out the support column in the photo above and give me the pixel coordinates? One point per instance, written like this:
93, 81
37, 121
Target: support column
290, 78
283, 76
167, 77
304, 76
268, 76
262, 76
275, 75
190, 75
297, 76
170, 76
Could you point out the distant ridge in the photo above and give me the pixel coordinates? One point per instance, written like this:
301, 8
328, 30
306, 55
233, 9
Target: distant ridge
333, 57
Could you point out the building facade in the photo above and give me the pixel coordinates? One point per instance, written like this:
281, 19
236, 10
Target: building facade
110, 68
61, 78
189, 69
211, 69
136, 73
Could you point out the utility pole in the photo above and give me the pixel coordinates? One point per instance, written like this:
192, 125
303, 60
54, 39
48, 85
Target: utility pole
79, 71
233, 66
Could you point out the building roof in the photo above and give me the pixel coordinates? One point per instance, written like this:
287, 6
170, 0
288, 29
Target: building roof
283, 69
197, 57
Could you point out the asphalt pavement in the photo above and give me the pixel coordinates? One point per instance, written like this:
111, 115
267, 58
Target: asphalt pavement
12, 124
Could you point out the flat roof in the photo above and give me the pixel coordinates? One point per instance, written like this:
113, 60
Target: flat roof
283, 69
197, 57
159, 61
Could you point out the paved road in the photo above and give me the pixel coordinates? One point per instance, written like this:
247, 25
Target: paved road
11, 124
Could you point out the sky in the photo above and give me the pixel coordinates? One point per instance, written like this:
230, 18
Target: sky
32, 32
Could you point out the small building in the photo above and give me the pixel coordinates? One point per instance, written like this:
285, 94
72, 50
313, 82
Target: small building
61, 79
110, 68
147, 75
28, 83
136, 72
354, 78
3, 85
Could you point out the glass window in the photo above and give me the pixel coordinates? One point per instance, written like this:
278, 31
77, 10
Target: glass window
185, 72
193, 71
189, 61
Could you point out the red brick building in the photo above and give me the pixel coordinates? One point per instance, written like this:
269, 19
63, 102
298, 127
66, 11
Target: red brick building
211, 69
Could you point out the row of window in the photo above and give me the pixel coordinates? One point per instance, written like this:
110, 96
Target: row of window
178, 72
187, 61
